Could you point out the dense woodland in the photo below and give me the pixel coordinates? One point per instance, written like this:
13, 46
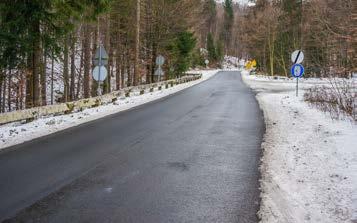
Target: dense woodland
47, 46
326, 30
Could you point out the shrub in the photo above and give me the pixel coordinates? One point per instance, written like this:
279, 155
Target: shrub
339, 98
70, 107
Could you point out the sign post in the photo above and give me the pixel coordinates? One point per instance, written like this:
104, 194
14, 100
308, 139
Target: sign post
297, 70
206, 62
160, 60
100, 73
297, 57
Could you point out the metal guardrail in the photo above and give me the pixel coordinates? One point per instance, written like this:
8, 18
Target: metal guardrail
70, 107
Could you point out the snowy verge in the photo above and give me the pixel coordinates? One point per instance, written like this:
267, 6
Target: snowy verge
309, 164
80, 105
16, 133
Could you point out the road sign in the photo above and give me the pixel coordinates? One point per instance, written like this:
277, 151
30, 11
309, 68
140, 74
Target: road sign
297, 57
100, 74
101, 57
206, 62
160, 60
297, 70
97, 61
159, 72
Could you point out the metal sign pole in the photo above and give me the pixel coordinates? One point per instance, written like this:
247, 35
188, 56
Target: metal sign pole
160, 60
100, 72
99, 90
297, 70
297, 87
159, 74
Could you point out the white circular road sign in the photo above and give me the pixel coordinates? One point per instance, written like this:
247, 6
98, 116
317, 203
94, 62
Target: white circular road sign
160, 60
103, 73
159, 72
297, 57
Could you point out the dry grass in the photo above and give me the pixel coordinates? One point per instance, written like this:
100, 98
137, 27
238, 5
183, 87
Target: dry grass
339, 98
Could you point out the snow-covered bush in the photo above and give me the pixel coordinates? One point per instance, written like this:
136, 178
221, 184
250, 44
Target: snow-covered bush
339, 98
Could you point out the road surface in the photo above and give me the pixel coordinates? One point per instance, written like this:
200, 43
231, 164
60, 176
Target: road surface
190, 157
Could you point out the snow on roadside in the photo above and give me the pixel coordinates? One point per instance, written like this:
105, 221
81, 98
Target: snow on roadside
16, 133
309, 164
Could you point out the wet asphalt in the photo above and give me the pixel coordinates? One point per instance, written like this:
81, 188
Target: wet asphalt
190, 157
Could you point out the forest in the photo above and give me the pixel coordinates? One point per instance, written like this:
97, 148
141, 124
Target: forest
47, 46
325, 30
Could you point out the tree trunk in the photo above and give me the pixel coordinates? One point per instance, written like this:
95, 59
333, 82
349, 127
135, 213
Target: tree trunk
153, 60
43, 80
29, 83
66, 70
271, 42
107, 84
22, 87
9, 92
73, 66
148, 25
137, 44
1, 87
17, 98
87, 61
117, 71
36, 66
3, 95
128, 71
118, 54
122, 71
52, 72
79, 81
96, 39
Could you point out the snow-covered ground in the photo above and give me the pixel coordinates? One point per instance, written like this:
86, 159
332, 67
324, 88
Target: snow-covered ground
232, 63
16, 133
309, 164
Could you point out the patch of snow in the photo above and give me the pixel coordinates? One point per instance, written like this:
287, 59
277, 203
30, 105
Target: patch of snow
309, 164
16, 133
231, 63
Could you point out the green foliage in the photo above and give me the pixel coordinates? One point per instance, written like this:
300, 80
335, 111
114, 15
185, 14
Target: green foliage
22, 23
289, 37
198, 59
228, 9
220, 51
228, 22
212, 8
182, 49
211, 48
16, 38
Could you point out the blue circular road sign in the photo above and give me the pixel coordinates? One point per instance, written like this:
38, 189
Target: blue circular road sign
297, 70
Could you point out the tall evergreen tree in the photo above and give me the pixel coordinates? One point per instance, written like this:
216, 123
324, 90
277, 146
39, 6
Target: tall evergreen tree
226, 33
43, 23
183, 48
211, 48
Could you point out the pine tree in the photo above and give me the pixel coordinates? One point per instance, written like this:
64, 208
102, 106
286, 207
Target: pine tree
212, 52
226, 33
183, 48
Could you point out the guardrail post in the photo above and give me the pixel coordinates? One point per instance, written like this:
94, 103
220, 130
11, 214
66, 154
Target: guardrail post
67, 108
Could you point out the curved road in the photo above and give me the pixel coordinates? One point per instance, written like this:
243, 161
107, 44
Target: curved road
190, 157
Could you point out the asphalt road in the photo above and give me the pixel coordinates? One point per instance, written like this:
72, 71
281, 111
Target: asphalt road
190, 157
